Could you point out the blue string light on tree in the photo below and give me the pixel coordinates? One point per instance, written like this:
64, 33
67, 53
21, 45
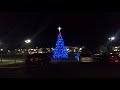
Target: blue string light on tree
60, 51
77, 56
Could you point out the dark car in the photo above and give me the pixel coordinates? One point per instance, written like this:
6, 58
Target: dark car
97, 58
37, 59
111, 58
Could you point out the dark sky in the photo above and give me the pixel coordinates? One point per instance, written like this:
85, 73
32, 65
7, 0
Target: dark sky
85, 28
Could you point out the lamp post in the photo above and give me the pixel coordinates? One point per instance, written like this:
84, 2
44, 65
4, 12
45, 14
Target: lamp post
1, 54
27, 41
111, 39
1, 50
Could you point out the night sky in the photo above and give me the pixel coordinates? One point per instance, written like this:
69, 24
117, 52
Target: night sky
84, 28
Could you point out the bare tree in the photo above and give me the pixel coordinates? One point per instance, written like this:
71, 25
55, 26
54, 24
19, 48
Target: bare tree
103, 49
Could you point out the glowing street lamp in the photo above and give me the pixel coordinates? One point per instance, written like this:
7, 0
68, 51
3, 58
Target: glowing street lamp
1, 49
28, 41
111, 38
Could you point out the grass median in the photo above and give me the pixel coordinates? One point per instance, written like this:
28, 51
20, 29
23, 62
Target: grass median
11, 61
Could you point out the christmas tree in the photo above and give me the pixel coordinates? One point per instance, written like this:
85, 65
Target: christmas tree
60, 50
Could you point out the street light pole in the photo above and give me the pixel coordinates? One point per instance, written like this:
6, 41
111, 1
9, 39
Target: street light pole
110, 45
1, 54
111, 39
15, 56
27, 41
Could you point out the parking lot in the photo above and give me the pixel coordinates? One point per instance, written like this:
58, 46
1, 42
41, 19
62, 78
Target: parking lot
61, 70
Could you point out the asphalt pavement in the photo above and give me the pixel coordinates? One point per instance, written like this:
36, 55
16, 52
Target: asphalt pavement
62, 70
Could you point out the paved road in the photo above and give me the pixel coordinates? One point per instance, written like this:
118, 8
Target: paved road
62, 70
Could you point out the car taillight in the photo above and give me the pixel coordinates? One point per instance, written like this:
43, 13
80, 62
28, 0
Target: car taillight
116, 60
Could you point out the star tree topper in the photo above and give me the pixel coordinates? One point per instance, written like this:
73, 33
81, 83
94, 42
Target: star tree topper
59, 28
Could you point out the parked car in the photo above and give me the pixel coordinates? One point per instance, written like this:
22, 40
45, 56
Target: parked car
86, 58
97, 58
37, 59
111, 58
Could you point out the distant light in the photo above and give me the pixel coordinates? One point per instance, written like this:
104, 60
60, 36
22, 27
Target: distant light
112, 38
74, 50
52, 48
115, 50
8, 50
68, 49
41, 52
28, 41
80, 48
110, 53
116, 47
96, 54
1, 49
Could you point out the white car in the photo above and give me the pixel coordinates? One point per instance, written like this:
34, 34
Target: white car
86, 58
